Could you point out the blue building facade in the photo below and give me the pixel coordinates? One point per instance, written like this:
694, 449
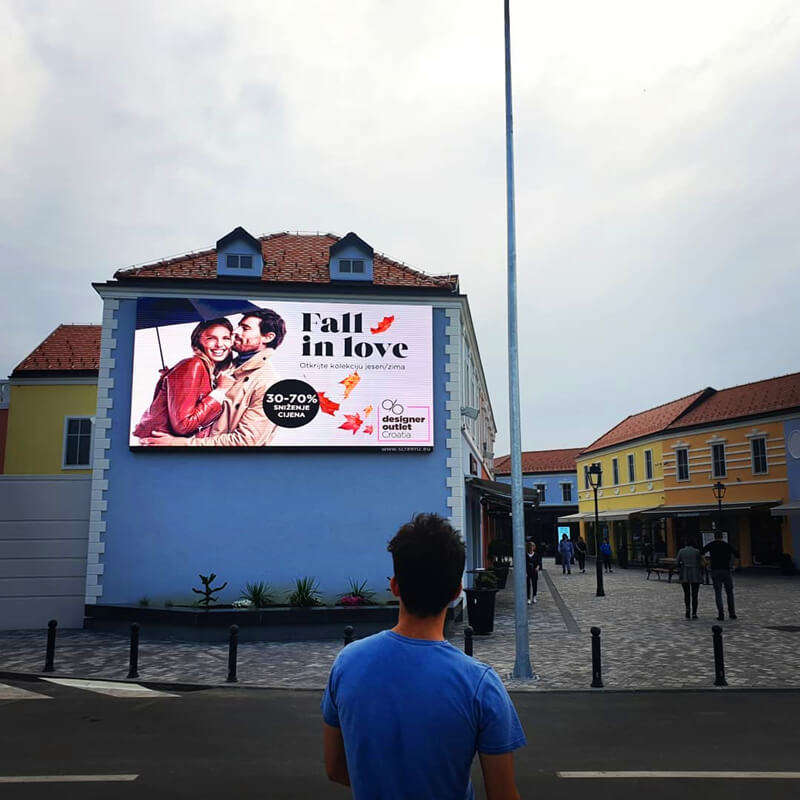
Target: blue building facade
161, 516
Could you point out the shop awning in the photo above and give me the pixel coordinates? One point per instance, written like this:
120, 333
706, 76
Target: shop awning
500, 490
705, 508
604, 516
786, 509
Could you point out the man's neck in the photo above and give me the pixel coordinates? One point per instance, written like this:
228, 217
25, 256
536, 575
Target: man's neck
429, 628
244, 357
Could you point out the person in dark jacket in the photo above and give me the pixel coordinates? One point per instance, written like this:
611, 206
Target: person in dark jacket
722, 555
565, 549
580, 553
533, 563
690, 563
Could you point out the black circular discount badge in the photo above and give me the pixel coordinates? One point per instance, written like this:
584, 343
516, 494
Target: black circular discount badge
291, 403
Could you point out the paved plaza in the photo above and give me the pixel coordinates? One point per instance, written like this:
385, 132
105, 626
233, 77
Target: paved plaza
646, 641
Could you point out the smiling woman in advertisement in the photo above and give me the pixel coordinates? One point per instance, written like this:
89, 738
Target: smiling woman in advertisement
183, 401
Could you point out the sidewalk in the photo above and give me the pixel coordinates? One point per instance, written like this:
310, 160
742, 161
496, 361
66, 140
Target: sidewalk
647, 643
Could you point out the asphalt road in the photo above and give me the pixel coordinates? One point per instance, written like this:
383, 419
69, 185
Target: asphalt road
248, 743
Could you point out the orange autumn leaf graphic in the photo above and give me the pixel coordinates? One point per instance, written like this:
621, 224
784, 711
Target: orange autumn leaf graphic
326, 405
383, 325
350, 383
367, 411
353, 423
368, 429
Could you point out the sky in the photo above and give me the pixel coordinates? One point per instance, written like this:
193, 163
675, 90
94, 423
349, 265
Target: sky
657, 171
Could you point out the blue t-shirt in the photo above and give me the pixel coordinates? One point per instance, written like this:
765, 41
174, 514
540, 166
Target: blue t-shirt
413, 713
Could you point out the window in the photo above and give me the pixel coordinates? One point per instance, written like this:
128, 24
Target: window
631, 468
718, 460
586, 484
648, 464
77, 441
566, 492
759, 450
615, 469
541, 488
239, 262
682, 458
351, 265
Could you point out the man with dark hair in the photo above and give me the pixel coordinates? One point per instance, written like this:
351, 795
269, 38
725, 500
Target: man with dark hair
722, 555
243, 422
405, 711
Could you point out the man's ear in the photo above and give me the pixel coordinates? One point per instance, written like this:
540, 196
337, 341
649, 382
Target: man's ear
267, 337
394, 586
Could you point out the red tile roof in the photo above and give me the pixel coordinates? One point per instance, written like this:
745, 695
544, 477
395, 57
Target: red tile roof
540, 461
69, 348
749, 399
647, 422
290, 258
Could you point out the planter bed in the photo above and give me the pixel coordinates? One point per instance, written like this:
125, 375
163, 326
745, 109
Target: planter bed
275, 624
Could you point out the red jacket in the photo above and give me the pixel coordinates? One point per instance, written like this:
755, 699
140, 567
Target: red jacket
181, 405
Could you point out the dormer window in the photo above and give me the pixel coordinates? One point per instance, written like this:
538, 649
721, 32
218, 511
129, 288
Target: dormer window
351, 259
352, 265
238, 262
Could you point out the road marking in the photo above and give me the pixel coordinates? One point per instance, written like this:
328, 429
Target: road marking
65, 778
715, 775
111, 688
15, 693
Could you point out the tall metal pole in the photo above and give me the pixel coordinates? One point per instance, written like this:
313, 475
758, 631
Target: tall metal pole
601, 592
522, 660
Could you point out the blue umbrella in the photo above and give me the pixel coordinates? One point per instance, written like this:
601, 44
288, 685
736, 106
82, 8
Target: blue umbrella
152, 312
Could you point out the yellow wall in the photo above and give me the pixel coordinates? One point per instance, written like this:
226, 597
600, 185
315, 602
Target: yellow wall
35, 440
742, 485
639, 494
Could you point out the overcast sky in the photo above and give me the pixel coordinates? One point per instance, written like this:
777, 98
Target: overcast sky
657, 177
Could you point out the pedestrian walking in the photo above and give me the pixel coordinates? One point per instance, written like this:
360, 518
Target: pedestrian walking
566, 550
722, 555
690, 564
647, 552
605, 553
533, 563
404, 711
580, 553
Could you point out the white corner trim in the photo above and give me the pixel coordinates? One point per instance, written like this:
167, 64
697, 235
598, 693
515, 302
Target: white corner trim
101, 453
455, 477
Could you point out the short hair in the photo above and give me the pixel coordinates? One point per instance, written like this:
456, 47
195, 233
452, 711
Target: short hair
269, 321
202, 327
428, 557
717, 534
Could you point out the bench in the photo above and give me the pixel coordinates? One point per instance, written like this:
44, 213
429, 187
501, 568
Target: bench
662, 570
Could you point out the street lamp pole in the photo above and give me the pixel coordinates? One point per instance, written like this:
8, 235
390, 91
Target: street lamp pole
719, 490
595, 477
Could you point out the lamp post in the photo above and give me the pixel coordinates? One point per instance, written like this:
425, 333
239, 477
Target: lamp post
595, 479
719, 490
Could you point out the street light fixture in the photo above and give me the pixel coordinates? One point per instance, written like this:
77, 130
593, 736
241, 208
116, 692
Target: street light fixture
595, 480
719, 490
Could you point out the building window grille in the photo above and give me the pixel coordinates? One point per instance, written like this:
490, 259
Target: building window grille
77, 442
351, 265
541, 488
682, 458
566, 492
759, 448
718, 461
648, 464
631, 468
239, 262
615, 470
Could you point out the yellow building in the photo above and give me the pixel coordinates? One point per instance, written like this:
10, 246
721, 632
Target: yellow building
52, 402
659, 468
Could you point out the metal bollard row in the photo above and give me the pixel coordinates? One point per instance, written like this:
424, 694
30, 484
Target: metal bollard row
597, 667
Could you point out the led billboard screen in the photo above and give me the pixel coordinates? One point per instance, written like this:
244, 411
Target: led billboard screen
251, 373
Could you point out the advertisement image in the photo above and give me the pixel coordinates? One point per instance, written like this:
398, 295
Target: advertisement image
262, 374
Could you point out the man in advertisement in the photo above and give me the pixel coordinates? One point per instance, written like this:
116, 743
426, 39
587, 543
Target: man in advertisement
242, 422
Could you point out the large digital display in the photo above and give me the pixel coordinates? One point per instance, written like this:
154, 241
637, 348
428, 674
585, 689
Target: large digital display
251, 373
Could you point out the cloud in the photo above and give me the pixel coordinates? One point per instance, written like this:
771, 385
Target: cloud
655, 150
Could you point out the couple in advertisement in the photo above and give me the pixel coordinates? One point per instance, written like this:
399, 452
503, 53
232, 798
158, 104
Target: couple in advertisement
214, 398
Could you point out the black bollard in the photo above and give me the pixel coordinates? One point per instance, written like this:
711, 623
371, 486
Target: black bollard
349, 635
133, 670
597, 670
719, 658
50, 654
233, 649
468, 640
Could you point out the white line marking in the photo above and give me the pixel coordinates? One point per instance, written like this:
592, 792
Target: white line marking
65, 778
769, 776
15, 693
111, 688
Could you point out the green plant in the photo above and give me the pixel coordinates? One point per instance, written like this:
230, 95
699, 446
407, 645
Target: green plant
144, 601
305, 593
485, 580
358, 593
208, 590
260, 594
